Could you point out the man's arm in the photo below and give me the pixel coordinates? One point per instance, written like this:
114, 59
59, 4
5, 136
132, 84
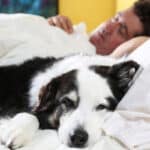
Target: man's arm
62, 22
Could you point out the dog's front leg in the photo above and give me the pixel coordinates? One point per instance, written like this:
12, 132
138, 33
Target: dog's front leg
19, 130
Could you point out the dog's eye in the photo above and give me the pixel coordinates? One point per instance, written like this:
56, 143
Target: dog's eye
101, 107
68, 102
111, 104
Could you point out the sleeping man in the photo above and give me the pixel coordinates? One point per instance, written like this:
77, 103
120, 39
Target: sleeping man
116, 37
124, 26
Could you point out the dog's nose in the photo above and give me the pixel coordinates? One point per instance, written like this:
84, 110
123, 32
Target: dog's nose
79, 138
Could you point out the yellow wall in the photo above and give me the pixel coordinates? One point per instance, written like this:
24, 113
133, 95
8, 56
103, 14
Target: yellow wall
93, 12
123, 4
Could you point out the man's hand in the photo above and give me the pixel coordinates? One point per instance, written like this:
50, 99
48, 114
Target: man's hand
62, 22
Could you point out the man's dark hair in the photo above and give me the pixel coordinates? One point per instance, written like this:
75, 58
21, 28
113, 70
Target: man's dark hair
142, 10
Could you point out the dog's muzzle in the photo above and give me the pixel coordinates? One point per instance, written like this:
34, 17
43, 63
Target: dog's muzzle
79, 138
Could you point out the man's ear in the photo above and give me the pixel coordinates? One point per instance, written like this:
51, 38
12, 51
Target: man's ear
120, 76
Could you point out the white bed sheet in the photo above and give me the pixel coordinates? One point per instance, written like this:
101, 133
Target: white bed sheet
25, 36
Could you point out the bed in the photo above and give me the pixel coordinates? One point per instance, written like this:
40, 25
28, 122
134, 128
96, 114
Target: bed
25, 36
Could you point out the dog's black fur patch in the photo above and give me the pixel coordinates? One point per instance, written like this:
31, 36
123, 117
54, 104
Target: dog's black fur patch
15, 84
51, 99
118, 77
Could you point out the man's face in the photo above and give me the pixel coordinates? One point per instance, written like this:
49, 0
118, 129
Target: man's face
115, 31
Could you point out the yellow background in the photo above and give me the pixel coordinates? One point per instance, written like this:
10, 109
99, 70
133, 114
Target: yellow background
92, 12
123, 4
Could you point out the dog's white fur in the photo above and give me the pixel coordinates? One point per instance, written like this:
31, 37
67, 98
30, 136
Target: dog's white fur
92, 90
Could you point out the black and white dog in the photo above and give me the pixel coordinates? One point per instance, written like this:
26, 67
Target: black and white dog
72, 94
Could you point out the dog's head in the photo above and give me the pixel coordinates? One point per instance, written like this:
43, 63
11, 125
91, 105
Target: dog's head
77, 102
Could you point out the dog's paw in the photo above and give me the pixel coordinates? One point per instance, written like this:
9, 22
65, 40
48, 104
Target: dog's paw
19, 130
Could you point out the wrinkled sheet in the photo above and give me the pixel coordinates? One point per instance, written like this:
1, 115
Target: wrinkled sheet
25, 36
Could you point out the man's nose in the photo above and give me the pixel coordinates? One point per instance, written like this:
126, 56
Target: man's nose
79, 138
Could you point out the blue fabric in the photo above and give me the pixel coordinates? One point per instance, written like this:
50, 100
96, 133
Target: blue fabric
44, 8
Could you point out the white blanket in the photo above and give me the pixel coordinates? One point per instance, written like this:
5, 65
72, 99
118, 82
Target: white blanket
24, 36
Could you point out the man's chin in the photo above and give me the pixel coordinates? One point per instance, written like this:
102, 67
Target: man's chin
103, 51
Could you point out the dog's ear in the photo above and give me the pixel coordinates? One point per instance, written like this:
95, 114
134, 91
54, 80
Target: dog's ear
50, 93
120, 76
101, 70
47, 96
